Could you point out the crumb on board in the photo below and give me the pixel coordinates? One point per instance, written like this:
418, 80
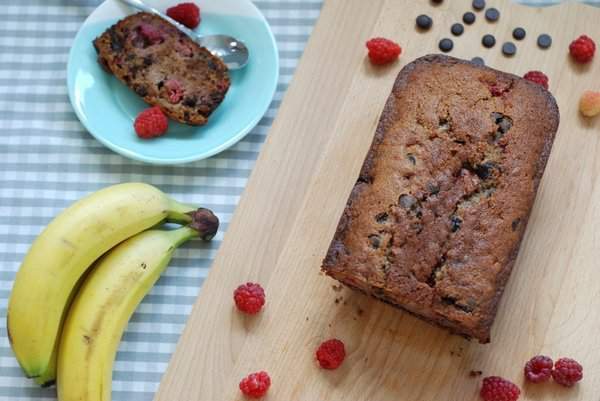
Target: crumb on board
337, 287
475, 373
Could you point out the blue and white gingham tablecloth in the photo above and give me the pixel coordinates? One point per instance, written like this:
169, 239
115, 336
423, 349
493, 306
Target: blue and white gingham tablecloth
47, 161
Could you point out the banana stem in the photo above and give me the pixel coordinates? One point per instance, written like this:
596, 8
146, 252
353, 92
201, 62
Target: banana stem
202, 220
182, 235
178, 213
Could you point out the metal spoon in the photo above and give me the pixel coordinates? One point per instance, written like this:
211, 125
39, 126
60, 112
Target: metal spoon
233, 52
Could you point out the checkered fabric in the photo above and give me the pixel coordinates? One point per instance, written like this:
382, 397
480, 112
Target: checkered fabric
48, 160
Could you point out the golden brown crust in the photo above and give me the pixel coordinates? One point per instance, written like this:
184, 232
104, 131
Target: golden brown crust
164, 67
435, 220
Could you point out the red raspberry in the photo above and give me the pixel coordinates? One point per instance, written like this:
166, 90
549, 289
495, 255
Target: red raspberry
151, 123
331, 354
538, 77
567, 372
174, 91
538, 369
152, 34
383, 51
249, 298
582, 49
255, 385
495, 388
187, 14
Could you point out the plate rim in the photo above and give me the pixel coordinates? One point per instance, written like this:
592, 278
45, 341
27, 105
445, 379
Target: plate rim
179, 160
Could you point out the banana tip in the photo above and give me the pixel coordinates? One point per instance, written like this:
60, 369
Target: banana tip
205, 222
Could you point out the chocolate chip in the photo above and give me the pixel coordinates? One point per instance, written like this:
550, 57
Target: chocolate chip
407, 201
411, 158
504, 124
519, 33
381, 217
455, 223
375, 240
116, 41
484, 170
189, 101
424, 22
148, 60
141, 90
478, 4
492, 14
515, 224
509, 49
468, 18
488, 41
544, 41
478, 61
212, 65
433, 188
457, 29
160, 84
446, 45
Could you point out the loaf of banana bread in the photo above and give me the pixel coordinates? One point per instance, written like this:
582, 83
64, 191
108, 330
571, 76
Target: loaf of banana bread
164, 66
434, 222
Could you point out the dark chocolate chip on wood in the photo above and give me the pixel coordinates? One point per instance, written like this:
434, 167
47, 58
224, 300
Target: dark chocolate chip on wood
468, 18
424, 22
519, 33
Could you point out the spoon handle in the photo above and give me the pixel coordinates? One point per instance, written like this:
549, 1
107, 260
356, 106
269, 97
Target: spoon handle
140, 5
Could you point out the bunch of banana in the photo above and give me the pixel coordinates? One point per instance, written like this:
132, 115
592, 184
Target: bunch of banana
59, 268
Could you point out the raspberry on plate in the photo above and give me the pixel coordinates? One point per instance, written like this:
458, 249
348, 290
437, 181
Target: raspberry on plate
582, 49
538, 369
255, 385
538, 77
151, 123
495, 388
249, 298
567, 372
383, 51
331, 354
187, 14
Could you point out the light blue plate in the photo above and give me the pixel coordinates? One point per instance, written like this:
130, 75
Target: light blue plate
107, 108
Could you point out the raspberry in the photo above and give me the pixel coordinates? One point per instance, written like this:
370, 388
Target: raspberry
495, 388
151, 123
538, 77
589, 104
582, 49
174, 90
249, 298
383, 51
567, 372
331, 354
151, 33
187, 14
255, 385
538, 369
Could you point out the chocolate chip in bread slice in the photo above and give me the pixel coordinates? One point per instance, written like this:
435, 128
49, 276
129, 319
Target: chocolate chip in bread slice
164, 66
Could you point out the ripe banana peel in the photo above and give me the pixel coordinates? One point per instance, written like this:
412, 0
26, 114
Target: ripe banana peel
61, 255
102, 308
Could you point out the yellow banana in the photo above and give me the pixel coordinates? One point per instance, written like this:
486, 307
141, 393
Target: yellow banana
63, 252
102, 308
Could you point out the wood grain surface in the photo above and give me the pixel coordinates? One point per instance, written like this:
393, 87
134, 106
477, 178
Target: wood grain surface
288, 214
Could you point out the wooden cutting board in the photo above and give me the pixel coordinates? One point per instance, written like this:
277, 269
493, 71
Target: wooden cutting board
289, 211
